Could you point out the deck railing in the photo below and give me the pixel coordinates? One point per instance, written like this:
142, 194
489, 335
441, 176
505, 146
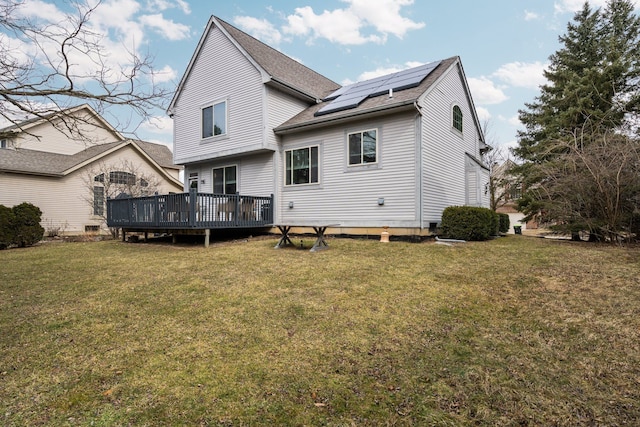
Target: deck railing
190, 210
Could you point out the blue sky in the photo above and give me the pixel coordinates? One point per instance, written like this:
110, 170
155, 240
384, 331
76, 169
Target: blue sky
504, 44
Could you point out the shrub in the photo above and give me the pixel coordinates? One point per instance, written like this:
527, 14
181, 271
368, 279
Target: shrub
504, 222
469, 223
7, 228
27, 224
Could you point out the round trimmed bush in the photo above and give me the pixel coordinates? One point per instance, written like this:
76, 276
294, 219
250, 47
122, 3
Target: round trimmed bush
469, 223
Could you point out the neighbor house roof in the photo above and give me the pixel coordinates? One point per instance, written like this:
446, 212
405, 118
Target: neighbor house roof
25, 125
276, 67
381, 104
33, 162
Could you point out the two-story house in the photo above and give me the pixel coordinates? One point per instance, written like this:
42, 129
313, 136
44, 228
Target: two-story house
68, 164
392, 151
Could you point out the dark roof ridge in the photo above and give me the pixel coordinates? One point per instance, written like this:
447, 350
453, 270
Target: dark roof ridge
285, 69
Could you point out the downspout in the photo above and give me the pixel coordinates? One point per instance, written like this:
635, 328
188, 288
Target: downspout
420, 175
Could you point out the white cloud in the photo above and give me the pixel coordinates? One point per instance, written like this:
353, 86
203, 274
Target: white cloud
530, 16
40, 10
385, 16
259, 28
383, 71
347, 26
159, 125
339, 26
522, 74
483, 114
485, 92
161, 5
166, 27
116, 26
514, 121
166, 74
572, 6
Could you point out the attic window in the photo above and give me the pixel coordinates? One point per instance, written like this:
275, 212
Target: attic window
214, 119
4, 143
457, 118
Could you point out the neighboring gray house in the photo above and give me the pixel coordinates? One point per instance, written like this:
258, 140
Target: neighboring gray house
393, 151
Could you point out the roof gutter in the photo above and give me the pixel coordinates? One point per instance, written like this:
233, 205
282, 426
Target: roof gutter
315, 124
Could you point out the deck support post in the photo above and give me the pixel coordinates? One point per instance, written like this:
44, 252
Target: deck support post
174, 238
146, 236
207, 234
124, 235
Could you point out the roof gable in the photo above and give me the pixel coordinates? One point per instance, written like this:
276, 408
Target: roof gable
77, 111
276, 68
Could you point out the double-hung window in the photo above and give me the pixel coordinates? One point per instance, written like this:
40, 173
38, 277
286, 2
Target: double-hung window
225, 180
214, 119
301, 166
363, 147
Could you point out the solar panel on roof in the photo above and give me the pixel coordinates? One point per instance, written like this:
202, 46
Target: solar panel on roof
351, 96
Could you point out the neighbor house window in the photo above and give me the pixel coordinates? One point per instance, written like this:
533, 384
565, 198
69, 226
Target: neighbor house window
301, 166
363, 147
214, 120
457, 118
98, 200
225, 180
121, 177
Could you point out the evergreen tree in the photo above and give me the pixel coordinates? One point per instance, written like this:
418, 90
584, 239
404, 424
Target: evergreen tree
591, 92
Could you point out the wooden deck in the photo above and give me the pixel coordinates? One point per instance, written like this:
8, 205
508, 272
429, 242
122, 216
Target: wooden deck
189, 212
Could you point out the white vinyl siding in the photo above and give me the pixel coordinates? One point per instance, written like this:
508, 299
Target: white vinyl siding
280, 108
444, 148
254, 174
221, 71
350, 196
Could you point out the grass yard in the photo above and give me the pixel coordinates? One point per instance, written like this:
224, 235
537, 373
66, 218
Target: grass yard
515, 331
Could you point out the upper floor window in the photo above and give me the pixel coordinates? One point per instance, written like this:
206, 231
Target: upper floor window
301, 166
457, 118
121, 177
4, 143
363, 147
214, 119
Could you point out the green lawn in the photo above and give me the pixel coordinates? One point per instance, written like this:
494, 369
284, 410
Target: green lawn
515, 331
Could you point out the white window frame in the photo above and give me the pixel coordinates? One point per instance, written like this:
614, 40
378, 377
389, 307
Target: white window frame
453, 118
212, 105
362, 163
285, 173
193, 177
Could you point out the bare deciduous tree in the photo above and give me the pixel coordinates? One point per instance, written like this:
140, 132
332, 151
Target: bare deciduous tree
595, 189
111, 180
48, 65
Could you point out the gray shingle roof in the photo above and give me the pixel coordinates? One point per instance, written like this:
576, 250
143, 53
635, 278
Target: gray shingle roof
53, 164
400, 99
280, 66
